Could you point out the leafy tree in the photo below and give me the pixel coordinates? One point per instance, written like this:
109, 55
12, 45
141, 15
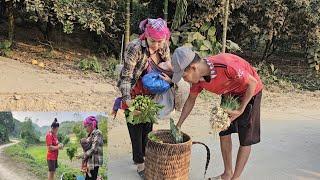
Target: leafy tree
6, 126
79, 131
103, 126
28, 132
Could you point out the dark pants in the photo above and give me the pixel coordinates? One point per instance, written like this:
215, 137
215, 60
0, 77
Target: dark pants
139, 136
247, 125
52, 165
94, 174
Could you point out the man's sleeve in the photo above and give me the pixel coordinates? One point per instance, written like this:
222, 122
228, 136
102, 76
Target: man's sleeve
195, 89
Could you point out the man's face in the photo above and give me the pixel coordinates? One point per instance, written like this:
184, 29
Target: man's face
191, 74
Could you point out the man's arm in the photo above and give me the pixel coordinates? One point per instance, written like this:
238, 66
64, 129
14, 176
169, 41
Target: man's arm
187, 108
252, 84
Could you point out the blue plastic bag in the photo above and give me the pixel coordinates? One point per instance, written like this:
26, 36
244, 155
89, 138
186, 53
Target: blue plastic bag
154, 83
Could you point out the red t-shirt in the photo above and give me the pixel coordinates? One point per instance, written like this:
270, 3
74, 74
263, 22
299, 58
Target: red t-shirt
52, 139
232, 75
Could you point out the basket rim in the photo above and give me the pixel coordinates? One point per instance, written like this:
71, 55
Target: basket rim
169, 144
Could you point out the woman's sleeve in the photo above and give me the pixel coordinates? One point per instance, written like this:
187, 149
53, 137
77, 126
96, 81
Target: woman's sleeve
131, 56
97, 138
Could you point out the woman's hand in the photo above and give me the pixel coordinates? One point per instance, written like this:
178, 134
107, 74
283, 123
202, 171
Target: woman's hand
60, 146
79, 156
165, 77
135, 112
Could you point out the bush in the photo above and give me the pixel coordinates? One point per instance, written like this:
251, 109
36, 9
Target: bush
71, 151
111, 68
91, 64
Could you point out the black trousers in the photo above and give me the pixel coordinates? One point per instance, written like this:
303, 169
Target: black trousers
94, 174
139, 136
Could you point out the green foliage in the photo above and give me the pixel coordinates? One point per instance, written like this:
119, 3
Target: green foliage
69, 176
103, 126
5, 47
148, 108
63, 138
6, 126
175, 132
111, 67
154, 137
314, 58
180, 13
92, 15
203, 42
79, 131
266, 26
268, 73
90, 63
35, 157
71, 151
28, 132
230, 102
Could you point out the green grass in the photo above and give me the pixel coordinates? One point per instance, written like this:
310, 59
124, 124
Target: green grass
35, 159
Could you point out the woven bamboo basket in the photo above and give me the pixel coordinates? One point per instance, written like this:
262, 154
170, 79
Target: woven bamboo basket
167, 160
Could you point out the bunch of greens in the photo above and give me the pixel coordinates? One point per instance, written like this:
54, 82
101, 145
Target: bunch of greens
175, 132
154, 137
69, 176
148, 108
230, 103
71, 151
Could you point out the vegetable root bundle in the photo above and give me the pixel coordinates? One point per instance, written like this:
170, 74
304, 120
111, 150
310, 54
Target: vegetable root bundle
219, 118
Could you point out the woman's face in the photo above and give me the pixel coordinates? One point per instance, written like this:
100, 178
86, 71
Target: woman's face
89, 128
154, 44
55, 130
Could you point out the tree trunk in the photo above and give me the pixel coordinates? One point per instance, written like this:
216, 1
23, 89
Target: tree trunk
127, 24
10, 20
225, 25
165, 10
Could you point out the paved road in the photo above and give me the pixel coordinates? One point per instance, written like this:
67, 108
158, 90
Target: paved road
290, 149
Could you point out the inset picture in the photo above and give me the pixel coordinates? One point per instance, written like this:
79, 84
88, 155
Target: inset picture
53, 145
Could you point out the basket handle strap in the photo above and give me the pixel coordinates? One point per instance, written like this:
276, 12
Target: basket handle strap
208, 155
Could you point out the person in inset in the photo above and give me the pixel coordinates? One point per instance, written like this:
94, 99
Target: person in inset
53, 147
142, 56
93, 156
224, 74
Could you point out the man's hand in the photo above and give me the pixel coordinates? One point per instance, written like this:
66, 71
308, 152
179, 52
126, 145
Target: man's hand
234, 114
178, 125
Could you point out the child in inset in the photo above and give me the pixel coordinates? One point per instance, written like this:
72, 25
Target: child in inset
86, 145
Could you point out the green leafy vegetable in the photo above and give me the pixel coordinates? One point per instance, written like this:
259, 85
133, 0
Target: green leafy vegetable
175, 132
148, 108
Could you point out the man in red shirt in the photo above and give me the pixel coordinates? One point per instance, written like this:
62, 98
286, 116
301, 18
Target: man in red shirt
224, 74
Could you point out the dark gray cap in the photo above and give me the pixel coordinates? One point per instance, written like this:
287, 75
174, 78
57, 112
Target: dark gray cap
181, 58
